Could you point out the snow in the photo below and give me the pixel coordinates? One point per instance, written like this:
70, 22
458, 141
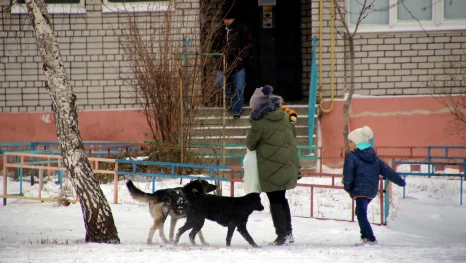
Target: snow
426, 226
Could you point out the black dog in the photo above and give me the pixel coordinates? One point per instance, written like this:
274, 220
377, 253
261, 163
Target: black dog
232, 212
166, 202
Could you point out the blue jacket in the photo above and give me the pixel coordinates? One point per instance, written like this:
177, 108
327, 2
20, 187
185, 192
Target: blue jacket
361, 173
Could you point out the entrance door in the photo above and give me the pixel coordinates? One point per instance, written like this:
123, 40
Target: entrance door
276, 39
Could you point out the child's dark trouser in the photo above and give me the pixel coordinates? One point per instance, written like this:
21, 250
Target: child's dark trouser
361, 213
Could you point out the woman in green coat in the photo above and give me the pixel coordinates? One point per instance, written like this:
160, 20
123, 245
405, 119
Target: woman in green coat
272, 136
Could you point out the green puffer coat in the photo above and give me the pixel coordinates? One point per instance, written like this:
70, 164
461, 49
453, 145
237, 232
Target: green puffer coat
273, 137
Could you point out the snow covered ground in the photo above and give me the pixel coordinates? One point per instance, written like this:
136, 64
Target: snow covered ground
427, 226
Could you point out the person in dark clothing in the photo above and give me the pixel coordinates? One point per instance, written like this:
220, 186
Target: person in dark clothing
361, 172
234, 40
272, 136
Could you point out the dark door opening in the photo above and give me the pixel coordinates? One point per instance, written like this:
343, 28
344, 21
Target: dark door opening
276, 54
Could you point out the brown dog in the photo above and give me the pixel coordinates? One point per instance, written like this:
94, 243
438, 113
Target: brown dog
166, 202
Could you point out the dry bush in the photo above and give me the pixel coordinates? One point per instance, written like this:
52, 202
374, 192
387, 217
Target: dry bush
173, 81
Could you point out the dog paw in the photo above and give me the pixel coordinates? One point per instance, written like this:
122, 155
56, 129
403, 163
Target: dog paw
205, 244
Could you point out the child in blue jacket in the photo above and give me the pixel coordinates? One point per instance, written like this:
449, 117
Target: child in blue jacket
361, 172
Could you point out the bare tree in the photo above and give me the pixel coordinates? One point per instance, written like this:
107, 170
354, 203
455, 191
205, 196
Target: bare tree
172, 81
365, 7
98, 219
349, 37
452, 89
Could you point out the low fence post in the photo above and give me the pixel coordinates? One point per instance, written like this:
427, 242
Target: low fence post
115, 179
4, 178
232, 183
312, 201
40, 183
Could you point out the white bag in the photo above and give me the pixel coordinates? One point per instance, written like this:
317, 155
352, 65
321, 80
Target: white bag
251, 173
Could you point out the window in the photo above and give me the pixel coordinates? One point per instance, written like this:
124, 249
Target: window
54, 7
137, 6
409, 15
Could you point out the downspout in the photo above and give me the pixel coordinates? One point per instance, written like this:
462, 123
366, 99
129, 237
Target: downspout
332, 57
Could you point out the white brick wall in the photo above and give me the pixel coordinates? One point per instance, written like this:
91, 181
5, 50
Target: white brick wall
92, 55
396, 64
386, 63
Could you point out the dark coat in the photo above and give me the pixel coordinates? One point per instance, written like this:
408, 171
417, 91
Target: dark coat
272, 136
235, 42
361, 173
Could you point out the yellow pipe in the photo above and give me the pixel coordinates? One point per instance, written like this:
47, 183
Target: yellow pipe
320, 43
181, 113
224, 106
332, 58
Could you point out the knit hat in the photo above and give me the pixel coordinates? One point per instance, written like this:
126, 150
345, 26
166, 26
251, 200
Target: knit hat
361, 135
260, 95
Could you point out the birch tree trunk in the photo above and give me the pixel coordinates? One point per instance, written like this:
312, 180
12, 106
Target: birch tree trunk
98, 219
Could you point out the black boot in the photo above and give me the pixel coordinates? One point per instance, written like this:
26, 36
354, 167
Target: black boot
287, 214
278, 218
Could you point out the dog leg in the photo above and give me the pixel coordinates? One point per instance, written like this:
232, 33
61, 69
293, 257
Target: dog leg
188, 225
165, 211
244, 232
151, 234
158, 225
162, 234
201, 237
173, 221
159, 213
197, 227
231, 230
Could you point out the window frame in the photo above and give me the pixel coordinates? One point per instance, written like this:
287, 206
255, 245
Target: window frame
438, 22
146, 6
54, 8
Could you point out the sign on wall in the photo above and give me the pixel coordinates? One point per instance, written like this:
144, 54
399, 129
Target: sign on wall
267, 2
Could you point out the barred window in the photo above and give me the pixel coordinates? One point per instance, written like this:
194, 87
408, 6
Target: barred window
137, 5
54, 7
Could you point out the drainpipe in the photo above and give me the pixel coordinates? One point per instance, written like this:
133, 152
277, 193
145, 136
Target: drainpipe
332, 56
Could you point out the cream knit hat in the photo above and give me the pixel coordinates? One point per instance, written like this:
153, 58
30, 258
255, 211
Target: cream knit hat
360, 135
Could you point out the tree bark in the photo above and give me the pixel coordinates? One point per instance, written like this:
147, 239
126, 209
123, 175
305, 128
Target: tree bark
98, 218
347, 104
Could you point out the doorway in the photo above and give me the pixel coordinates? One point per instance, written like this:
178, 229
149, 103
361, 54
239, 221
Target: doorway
276, 54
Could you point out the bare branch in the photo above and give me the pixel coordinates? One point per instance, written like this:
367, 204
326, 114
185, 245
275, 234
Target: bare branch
419, 22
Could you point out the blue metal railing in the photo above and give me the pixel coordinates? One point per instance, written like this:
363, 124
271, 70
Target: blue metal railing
312, 93
172, 174
433, 159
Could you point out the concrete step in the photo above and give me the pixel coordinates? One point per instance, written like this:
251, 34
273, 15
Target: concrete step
207, 129
213, 130
300, 140
218, 111
230, 121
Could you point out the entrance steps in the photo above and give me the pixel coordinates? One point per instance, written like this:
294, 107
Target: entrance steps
210, 131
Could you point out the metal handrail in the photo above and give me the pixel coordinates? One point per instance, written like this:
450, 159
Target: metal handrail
312, 93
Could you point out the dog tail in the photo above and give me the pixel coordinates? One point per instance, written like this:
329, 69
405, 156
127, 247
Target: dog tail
139, 195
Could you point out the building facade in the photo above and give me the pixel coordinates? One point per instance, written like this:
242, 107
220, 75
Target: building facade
399, 51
